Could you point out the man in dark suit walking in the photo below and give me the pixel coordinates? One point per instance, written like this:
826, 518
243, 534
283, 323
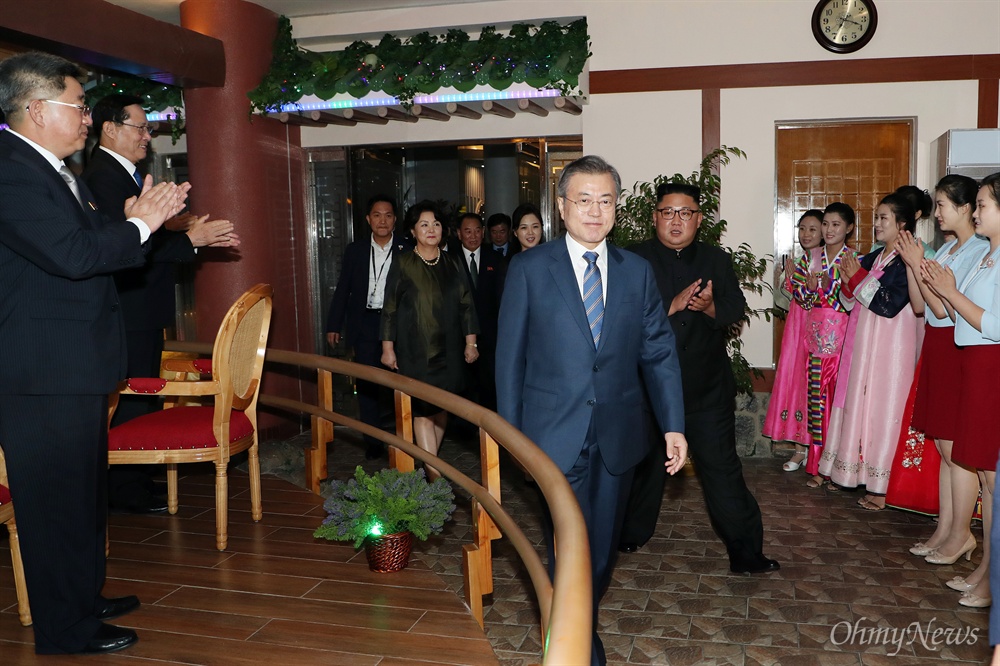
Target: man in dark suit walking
581, 328
485, 270
703, 299
146, 293
63, 349
357, 304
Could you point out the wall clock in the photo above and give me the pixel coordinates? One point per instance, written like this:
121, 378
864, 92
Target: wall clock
844, 26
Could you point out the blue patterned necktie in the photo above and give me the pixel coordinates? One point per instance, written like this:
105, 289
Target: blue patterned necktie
138, 178
593, 296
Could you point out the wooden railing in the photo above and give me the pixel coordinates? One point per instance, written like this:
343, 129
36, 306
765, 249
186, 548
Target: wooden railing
565, 604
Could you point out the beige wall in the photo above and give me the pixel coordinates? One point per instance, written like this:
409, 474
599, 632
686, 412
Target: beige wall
645, 134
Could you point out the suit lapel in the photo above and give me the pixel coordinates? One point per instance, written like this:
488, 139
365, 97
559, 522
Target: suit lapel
564, 277
24, 153
615, 280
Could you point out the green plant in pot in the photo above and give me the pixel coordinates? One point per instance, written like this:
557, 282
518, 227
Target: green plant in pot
384, 511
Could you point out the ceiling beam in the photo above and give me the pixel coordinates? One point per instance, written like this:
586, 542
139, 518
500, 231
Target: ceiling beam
99, 34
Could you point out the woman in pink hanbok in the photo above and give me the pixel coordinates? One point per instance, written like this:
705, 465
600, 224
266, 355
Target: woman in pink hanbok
878, 362
786, 411
816, 285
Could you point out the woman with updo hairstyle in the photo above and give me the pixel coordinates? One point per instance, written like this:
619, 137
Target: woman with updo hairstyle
934, 397
879, 357
428, 322
527, 225
974, 304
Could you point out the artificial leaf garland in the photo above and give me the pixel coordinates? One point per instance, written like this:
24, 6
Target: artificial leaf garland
547, 56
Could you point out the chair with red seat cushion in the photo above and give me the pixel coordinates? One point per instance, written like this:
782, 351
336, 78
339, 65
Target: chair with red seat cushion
200, 433
7, 518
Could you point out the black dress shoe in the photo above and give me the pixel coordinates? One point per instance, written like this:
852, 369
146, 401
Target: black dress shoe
628, 547
756, 564
110, 638
108, 609
148, 504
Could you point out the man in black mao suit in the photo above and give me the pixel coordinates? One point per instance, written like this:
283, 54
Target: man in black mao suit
146, 293
581, 328
703, 298
487, 288
356, 308
63, 349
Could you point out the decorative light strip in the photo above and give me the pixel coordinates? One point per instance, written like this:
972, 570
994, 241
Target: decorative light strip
492, 96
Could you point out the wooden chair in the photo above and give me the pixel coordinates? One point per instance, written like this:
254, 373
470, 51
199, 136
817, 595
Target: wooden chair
200, 433
7, 518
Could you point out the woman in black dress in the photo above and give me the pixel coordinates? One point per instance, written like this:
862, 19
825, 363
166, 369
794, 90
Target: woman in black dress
428, 322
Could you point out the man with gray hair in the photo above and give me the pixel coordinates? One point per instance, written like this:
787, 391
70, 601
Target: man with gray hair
582, 329
63, 349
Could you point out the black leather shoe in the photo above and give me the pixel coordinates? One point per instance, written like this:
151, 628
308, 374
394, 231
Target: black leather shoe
628, 547
756, 564
117, 607
110, 638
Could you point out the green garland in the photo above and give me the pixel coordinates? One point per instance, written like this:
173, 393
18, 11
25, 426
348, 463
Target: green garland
547, 56
157, 97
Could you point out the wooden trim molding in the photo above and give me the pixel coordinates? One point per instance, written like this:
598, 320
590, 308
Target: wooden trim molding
776, 74
104, 35
989, 103
711, 120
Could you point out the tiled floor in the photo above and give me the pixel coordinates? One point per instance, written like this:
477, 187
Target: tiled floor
844, 571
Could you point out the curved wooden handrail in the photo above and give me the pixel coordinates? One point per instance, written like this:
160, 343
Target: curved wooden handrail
565, 604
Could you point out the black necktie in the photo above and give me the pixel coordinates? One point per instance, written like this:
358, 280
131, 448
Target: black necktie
473, 270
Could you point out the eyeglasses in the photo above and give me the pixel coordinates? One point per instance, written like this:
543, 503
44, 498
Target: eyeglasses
82, 108
684, 213
143, 129
585, 204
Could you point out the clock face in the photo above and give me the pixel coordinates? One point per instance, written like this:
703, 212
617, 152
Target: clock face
844, 26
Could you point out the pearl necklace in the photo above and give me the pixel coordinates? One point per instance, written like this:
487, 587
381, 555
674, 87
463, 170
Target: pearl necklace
429, 263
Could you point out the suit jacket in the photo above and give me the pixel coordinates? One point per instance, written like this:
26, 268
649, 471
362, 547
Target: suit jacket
350, 298
147, 292
701, 340
555, 386
486, 295
60, 319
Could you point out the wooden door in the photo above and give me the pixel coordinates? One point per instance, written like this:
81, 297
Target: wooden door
819, 163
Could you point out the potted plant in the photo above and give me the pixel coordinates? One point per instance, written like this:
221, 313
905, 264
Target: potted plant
384, 511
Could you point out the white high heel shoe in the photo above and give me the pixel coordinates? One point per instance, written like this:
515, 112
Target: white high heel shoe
793, 465
959, 584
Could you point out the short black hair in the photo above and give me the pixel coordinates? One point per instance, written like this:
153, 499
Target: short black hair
30, 76
497, 219
693, 191
466, 216
371, 202
414, 212
112, 109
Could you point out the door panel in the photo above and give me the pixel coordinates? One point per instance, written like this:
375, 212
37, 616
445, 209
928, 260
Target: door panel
854, 162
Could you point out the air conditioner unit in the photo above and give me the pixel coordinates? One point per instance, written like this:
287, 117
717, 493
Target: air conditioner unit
968, 152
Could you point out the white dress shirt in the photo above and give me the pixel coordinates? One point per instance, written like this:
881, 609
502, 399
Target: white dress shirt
57, 164
378, 271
